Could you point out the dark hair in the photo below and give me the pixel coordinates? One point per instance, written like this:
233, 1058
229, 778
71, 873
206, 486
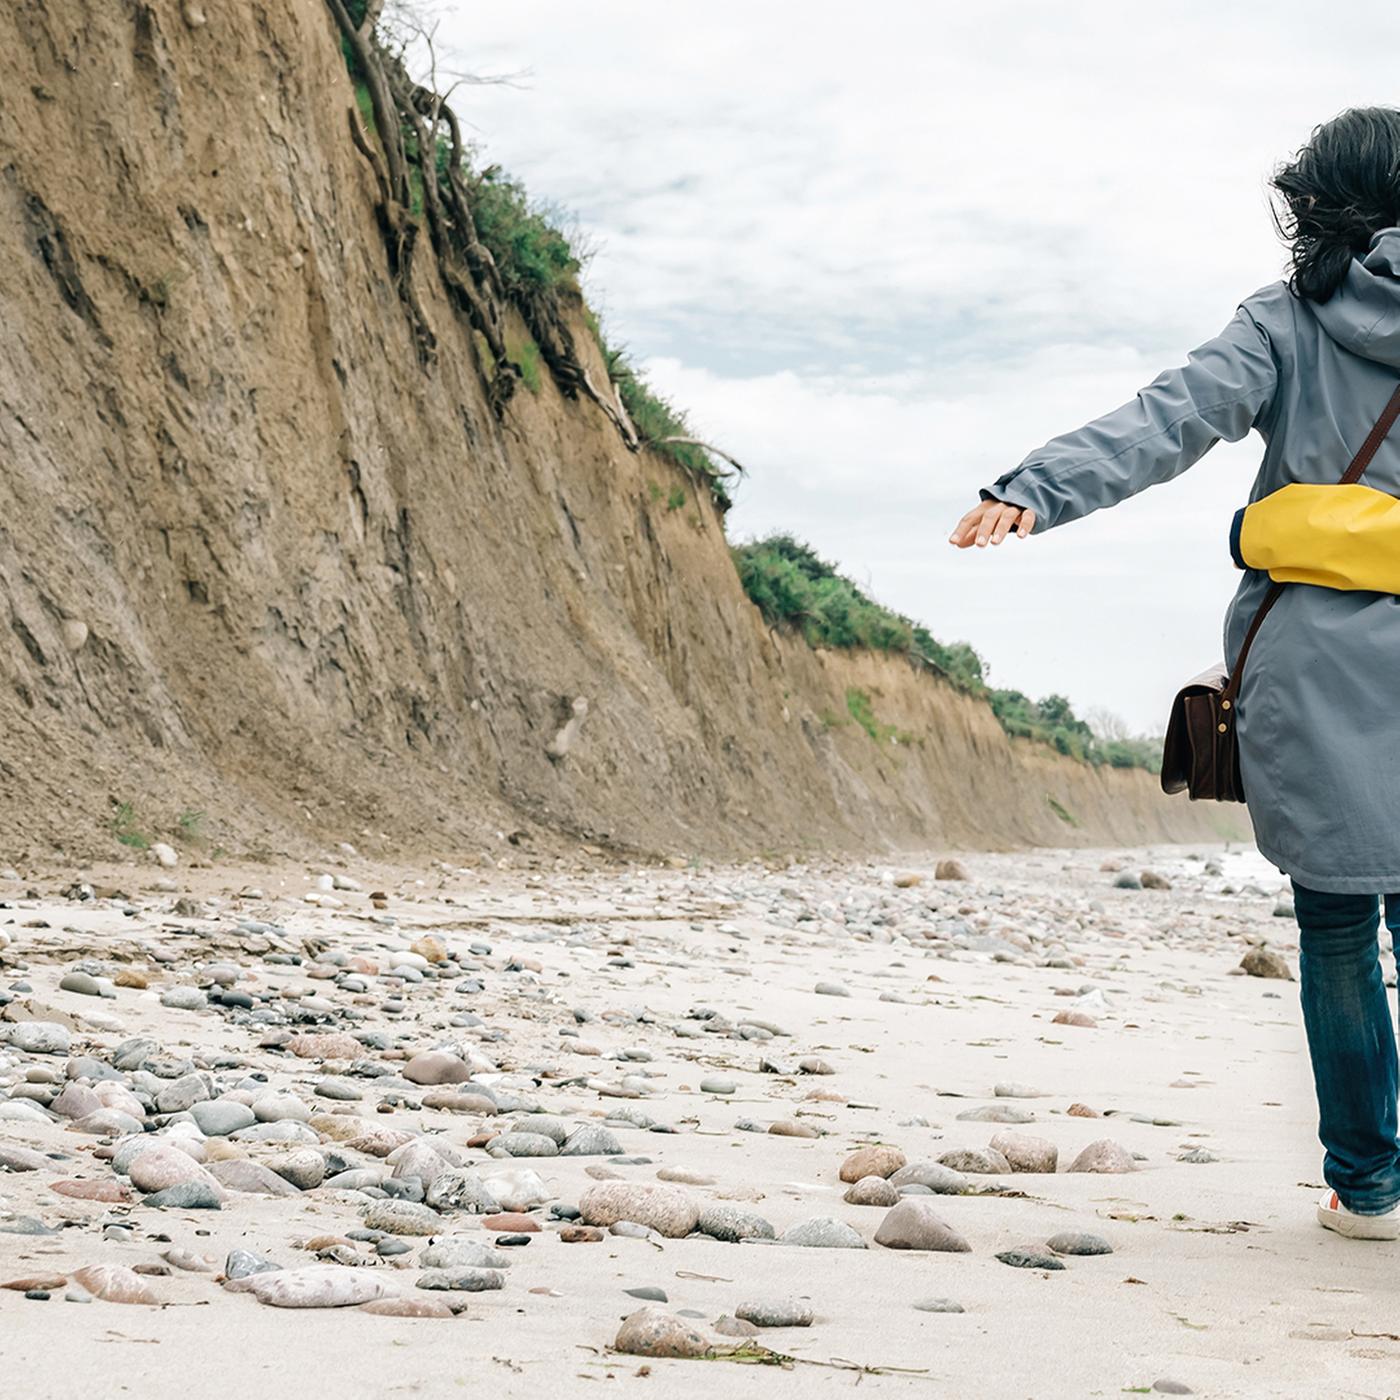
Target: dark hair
1341, 188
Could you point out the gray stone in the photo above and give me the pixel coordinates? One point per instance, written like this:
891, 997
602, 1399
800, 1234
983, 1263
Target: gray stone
186, 1195
832, 989
463, 1280
220, 1117
722, 1087
872, 1191
1028, 1257
997, 1113
933, 1176
251, 1178
1198, 1156
980, 1161
459, 1252
522, 1145
240, 1263
938, 1305
40, 1038
1011, 1089
459, 1189
180, 1095
822, 1233
1079, 1242
304, 1167
721, 1221
591, 1140
402, 1218
84, 983
184, 998
286, 1130
776, 1312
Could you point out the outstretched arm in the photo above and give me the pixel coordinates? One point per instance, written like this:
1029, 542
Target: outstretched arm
1225, 388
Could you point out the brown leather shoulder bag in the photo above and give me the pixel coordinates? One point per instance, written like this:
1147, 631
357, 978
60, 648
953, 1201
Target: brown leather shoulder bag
1201, 754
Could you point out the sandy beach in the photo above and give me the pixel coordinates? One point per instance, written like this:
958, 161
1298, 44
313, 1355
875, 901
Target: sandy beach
845, 1005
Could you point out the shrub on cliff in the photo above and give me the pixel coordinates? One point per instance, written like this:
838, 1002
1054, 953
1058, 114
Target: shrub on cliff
796, 589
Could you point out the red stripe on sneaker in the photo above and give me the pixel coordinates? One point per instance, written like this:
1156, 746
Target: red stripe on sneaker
1335, 1203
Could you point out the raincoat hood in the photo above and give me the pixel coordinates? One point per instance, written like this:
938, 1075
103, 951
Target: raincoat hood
1363, 315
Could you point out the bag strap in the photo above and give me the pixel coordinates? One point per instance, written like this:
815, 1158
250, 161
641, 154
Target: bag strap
1353, 473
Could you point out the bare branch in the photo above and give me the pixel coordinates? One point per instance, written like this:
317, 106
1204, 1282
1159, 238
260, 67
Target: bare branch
709, 447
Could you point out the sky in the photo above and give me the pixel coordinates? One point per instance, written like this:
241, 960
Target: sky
880, 254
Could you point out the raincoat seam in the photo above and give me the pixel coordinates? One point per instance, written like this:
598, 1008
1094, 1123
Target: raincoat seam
1065, 467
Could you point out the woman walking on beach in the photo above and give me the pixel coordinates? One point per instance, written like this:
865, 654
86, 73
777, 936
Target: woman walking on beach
1312, 364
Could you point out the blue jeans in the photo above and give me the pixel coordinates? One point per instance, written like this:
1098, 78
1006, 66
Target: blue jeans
1351, 1039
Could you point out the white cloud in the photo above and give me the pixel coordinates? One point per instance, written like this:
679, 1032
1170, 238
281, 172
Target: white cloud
881, 255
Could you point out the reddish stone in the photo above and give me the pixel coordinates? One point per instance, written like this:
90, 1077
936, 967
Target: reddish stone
1074, 1018
511, 1222
48, 1282
581, 1234
1082, 1110
481, 1139
91, 1190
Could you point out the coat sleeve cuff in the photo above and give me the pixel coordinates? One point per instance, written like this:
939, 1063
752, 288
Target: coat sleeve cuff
1020, 494
1236, 528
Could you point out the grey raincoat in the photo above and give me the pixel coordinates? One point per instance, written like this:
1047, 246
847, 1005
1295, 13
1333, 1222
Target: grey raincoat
1319, 709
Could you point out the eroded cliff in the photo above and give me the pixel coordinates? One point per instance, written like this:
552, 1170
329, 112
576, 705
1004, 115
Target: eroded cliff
273, 580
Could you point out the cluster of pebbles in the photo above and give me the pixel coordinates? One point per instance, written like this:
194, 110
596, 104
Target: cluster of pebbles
405, 1102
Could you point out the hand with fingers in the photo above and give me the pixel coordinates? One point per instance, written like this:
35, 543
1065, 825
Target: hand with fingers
989, 522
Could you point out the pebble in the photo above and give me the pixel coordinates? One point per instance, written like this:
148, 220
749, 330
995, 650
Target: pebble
822, 1233
1025, 1153
668, 1210
722, 1087
462, 1279
591, 1140
40, 1038
915, 1224
251, 1178
187, 1195
402, 1218
1026, 1257
1264, 962
1079, 1242
315, 1286
652, 1331
114, 1283
932, 1176
938, 1305
878, 1161
457, 1251
872, 1191
976, 1161
776, 1312
1104, 1155
457, 1189
997, 1113
437, 1067
732, 1223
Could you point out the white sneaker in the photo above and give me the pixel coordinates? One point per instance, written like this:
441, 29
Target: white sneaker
1333, 1215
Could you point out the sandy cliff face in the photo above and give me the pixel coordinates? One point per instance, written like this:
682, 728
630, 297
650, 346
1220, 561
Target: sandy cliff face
258, 563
